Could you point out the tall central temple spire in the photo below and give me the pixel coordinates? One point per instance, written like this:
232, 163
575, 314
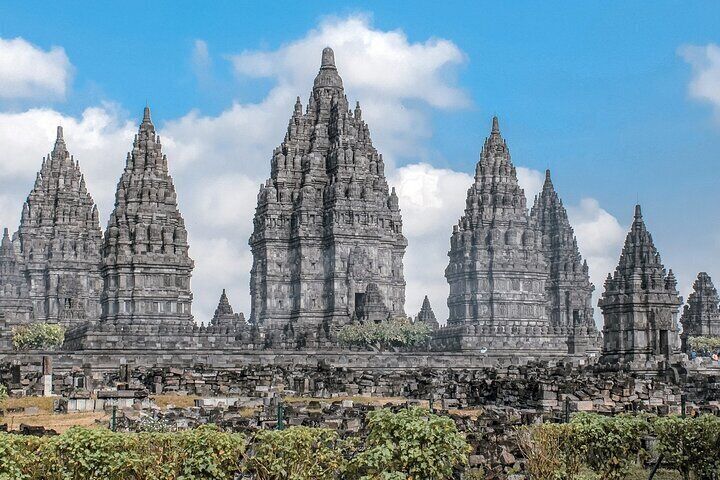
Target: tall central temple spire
327, 225
146, 266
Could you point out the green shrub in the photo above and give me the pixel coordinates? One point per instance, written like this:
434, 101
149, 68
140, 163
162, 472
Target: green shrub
690, 445
609, 445
549, 451
704, 344
95, 454
3, 394
38, 335
412, 443
298, 453
386, 335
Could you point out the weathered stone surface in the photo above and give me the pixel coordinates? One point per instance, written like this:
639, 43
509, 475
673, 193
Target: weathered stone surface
59, 242
145, 263
497, 271
224, 315
15, 303
326, 224
701, 315
569, 291
426, 315
640, 305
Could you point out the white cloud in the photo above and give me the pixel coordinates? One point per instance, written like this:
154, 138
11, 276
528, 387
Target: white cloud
431, 200
28, 72
705, 63
531, 181
600, 238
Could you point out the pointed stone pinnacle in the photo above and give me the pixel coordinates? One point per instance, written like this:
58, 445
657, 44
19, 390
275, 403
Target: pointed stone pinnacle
638, 212
59, 133
495, 125
328, 58
146, 115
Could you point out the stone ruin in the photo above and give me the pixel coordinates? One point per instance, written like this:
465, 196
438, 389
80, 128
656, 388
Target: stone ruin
328, 248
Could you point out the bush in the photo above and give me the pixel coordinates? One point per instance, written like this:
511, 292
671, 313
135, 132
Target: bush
38, 335
298, 453
387, 335
412, 443
549, 451
690, 445
608, 445
95, 454
3, 394
704, 345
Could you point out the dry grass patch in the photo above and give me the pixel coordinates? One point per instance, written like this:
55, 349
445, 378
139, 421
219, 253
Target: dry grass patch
179, 401
59, 422
44, 404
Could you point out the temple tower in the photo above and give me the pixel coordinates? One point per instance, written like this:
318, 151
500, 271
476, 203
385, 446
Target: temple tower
326, 225
15, 303
569, 291
640, 304
225, 316
497, 270
426, 314
701, 315
60, 238
146, 268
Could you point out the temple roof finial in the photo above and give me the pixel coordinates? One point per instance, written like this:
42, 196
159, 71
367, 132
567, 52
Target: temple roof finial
59, 133
495, 125
146, 115
638, 212
328, 58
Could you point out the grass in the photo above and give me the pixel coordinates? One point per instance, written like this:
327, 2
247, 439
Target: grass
179, 401
57, 422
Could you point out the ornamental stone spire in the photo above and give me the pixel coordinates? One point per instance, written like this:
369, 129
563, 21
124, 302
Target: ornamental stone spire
59, 239
327, 225
145, 263
497, 270
701, 315
426, 314
224, 315
569, 289
640, 304
15, 303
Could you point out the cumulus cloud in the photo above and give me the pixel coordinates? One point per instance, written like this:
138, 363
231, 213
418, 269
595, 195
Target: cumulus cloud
600, 238
705, 63
29, 72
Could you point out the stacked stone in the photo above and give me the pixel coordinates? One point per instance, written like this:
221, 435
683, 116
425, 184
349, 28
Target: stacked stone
60, 239
145, 263
426, 315
701, 315
225, 316
640, 305
15, 303
326, 225
497, 270
569, 291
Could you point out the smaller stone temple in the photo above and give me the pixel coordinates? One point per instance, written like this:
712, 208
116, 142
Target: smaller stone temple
145, 263
15, 303
225, 316
640, 306
701, 315
426, 315
59, 238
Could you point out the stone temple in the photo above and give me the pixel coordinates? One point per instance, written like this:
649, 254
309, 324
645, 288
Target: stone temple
701, 316
59, 239
328, 248
516, 279
146, 268
327, 241
640, 304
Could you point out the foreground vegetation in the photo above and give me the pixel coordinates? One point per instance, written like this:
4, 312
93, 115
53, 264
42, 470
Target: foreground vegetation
411, 444
39, 335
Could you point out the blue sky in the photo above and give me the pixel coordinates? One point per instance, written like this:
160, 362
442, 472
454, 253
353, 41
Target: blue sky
599, 92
